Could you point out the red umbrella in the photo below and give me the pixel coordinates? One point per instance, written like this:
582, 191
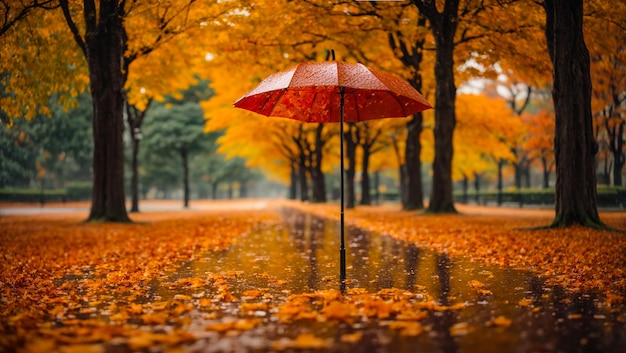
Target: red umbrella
311, 92
334, 91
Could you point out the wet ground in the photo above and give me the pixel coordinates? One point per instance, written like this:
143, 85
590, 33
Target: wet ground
302, 257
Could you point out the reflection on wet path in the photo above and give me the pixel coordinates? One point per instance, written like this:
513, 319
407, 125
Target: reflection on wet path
303, 255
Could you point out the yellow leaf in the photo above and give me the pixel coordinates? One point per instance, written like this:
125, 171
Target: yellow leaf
309, 341
157, 319
182, 297
246, 324
501, 321
351, 337
407, 328
252, 307
135, 308
460, 329
82, 348
252, 293
219, 327
338, 311
476, 284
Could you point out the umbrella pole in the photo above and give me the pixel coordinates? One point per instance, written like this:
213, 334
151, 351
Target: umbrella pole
342, 247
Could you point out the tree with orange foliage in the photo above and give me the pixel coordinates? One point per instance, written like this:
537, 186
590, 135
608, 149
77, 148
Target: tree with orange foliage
486, 125
14, 12
108, 36
608, 73
539, 141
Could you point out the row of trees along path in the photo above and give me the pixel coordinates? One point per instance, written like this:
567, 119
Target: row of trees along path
132, 52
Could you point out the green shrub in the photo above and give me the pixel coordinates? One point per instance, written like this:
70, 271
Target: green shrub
78, 191
32, 195
606, 197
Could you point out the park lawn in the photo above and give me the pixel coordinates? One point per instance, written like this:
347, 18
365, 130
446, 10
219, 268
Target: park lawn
68, 286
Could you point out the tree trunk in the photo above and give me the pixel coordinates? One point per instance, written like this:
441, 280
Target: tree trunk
318, 185
134, 181
519, 171
351, 171
104, 45
546, 173
185, 160
444, 28
411, 178
575, 145
414, 199
293, 182
304, 187
527, 174
465, 188
477, 187
317, 176
377, 187
605, 177
243, 189
135, 118
366, 197
403, 184
214, 190
617, 148
500, 165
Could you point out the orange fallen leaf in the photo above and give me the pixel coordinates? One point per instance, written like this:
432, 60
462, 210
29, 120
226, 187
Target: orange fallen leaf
337, 310
460, 329
303, 341
476, 284
182, 297
500, 321
252, 293
351, 337
149, 319
407, 328
247, 308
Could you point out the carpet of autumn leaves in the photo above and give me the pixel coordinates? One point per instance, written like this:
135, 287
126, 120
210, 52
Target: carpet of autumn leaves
68, 286
57, 270
576, 258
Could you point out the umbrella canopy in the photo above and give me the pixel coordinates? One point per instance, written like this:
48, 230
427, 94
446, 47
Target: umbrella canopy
334, 91
310, 92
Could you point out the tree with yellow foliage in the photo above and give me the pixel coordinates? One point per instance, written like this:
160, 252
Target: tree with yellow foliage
539, 141
485, 127
14, 12
608, 73
108, 36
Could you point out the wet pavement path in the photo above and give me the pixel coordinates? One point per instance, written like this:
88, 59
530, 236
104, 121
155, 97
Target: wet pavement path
501, 310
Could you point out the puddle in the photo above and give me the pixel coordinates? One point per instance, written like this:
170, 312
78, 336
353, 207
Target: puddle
303, 254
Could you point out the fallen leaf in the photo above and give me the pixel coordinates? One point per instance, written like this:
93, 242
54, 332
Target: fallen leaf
351, 337
500, 321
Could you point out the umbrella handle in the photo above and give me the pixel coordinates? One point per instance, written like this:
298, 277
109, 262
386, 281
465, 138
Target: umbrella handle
342, 246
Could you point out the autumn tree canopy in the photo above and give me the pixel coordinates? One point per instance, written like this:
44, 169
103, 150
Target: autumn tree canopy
137, 52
